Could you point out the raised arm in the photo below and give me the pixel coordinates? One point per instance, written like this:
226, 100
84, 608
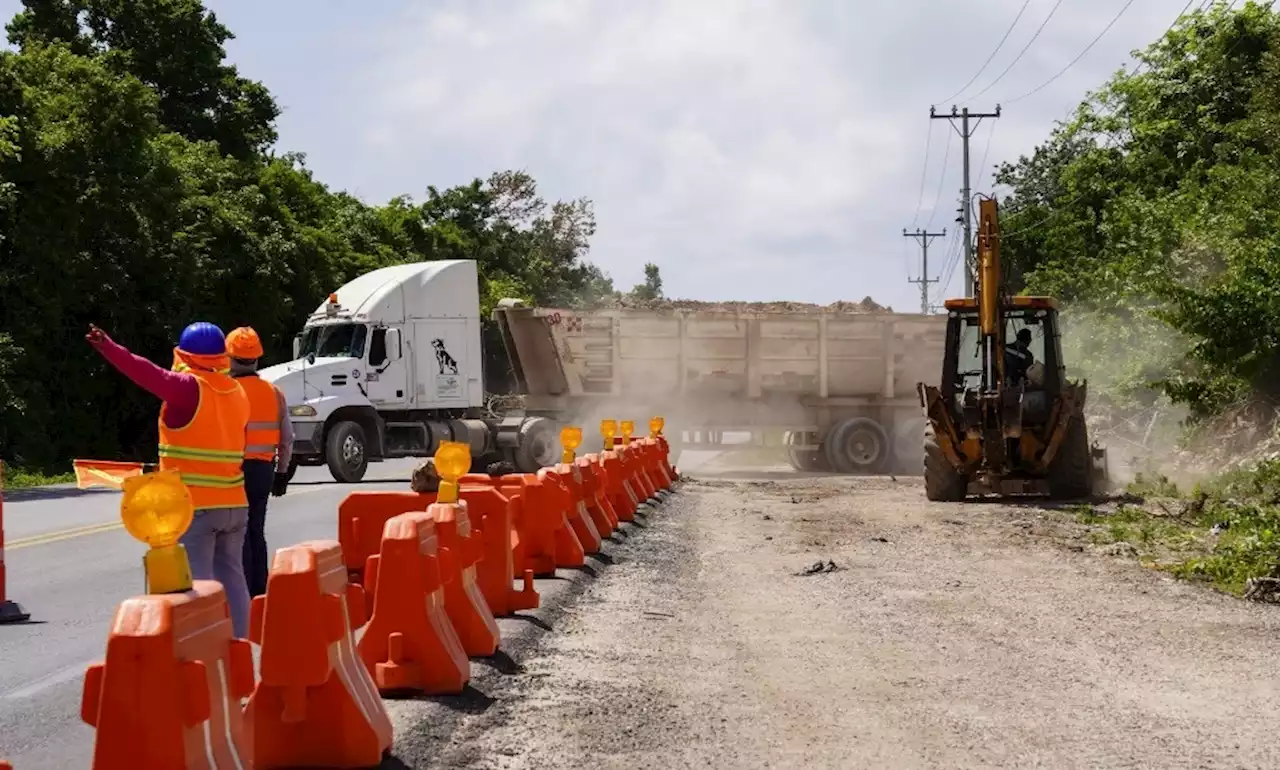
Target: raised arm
177, 389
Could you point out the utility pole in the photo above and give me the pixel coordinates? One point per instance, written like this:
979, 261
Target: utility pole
966, 131
924, 237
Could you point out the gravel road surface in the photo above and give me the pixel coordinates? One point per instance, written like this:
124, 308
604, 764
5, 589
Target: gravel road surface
945, 637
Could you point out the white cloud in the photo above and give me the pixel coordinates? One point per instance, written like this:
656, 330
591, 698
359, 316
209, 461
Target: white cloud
754, 149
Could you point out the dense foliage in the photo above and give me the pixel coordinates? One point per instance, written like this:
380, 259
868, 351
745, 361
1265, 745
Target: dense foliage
1154, 214
139, 191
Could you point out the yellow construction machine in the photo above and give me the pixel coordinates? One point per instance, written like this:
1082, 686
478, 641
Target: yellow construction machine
1005, 420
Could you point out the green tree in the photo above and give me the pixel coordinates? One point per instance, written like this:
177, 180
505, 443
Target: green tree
174, 46
1157, 203
651, 289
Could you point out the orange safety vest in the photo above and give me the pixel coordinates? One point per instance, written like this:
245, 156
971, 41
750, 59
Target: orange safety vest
264, 418
209, 450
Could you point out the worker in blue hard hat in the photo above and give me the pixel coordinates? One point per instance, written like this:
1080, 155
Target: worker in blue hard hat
204, 417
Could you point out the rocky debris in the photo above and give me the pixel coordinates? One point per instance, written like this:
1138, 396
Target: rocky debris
500, 468
1263, 589
425, 479
818, 568
867, 305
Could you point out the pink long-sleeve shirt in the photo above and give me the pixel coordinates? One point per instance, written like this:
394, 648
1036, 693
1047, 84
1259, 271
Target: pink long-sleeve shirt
181, 393
178, 390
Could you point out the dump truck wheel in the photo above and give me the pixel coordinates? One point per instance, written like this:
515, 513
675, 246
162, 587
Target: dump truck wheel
1071, 475
857, 445
808, 460
942, 482
537, 445
345, 452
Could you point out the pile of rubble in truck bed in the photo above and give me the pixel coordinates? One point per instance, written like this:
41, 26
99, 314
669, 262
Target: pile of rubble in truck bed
867, 305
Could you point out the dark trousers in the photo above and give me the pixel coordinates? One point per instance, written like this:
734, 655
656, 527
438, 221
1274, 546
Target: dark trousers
259, 475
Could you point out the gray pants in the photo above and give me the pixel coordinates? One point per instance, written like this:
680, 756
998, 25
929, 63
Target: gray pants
215, 548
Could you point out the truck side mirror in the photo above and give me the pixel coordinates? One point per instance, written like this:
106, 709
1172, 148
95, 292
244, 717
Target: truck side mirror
393, 344
297, 347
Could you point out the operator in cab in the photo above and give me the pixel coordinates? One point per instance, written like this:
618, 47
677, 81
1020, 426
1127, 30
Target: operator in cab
1018, 358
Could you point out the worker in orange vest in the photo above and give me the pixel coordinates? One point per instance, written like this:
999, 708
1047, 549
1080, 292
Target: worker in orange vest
267, 452
204, 416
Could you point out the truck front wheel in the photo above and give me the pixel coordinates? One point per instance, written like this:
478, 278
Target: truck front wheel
345, 452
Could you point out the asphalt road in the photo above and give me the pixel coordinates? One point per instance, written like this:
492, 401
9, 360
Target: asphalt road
70, 564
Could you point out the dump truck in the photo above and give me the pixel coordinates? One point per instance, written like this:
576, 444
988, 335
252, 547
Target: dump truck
833, 387
1005, 420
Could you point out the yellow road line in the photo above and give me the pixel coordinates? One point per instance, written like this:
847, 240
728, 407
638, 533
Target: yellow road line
93, 529
66, 534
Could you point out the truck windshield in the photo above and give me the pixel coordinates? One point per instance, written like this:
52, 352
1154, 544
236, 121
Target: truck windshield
333, 341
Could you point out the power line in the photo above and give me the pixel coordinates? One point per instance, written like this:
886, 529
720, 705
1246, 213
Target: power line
983, 68
924, 173
924, 237
941, 179
1086, 50
982, 166
1018, 58
951, 256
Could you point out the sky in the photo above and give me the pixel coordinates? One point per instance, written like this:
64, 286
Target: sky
755, 150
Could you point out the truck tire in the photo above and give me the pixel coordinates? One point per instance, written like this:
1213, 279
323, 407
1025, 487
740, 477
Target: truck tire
857, 445
1071, 474
345, 452
942, 482
807, 460
538, 445
292, 469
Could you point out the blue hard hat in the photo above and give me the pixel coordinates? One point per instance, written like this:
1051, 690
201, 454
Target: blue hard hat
203, 339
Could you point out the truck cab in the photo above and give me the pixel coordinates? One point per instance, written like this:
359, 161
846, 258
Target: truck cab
390, 365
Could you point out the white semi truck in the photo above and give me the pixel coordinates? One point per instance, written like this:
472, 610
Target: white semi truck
389, 365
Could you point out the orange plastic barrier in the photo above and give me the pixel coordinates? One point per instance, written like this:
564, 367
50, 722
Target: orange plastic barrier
651, 450
620, 491
572, 501
495, 527
316, 705
546, 540
467, 609
672, 472
362, 516
409, 643
569, 543
593, 483
168, 693
633, 456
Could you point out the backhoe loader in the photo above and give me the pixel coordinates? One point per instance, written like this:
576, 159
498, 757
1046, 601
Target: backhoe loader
1005, 420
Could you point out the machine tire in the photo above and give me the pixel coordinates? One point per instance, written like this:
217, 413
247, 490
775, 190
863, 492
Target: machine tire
292, 469
537, 442
858, 445
346, 452
806, 460
1071, 475
942, 482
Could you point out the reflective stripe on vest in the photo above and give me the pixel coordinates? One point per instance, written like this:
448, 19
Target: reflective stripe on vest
264, 418
209, 450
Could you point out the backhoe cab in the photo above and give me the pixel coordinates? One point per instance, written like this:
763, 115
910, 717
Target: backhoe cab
1005, 420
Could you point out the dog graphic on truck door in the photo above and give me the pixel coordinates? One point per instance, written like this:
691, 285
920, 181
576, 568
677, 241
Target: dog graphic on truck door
445, 361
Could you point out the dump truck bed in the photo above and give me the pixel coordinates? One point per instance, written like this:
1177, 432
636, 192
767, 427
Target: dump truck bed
721, 369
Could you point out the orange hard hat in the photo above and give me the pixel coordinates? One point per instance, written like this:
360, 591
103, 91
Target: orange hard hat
244, 343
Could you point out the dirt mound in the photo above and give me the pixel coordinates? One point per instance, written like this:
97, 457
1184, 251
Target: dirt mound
867, 305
